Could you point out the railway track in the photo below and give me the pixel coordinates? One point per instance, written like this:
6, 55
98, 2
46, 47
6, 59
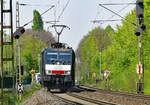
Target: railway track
122, 98
85, 96
97, 102
68, 101
73, 98
117, 93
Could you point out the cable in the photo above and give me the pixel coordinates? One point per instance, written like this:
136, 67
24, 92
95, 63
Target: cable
40, 15
120, 10
63, 10
51, 22
119, 4
97, 13
99, 21
55, 14
118, 15
24, 4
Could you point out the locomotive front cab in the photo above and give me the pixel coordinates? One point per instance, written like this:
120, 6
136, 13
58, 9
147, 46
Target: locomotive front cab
58, 62
59, 70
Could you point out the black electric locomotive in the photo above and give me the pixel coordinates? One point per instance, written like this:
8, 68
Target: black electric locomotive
57, 67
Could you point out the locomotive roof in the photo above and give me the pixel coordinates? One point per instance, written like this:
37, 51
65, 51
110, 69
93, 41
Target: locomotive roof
57, 49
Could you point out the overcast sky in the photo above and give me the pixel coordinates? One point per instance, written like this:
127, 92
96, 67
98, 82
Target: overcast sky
78, 15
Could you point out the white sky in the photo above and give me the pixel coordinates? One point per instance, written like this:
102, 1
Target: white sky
78, 15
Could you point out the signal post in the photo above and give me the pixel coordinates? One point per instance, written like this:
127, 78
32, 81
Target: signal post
138, 32
19, 31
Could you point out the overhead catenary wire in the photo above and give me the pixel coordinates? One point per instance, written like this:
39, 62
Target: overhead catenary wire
102, 22
118, 15
119, 4
55, 10
99, 21
55, 14
97, 14
63, 10
57, 19
24, 4
40, 15
120, 11
50, 21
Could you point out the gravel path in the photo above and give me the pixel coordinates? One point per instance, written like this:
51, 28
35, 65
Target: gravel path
42, 97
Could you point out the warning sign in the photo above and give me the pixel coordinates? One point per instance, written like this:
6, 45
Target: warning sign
139, 68
20, 88
32, 72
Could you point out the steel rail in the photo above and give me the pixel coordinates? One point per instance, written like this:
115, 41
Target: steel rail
99, 102
118, 93
67, 101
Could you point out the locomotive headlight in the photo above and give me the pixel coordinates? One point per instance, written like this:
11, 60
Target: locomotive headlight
58, 63
49, 72
67, 72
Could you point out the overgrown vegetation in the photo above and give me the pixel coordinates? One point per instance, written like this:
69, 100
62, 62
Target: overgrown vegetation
13, 99
32, 43
117, 51
28, 93
37, 21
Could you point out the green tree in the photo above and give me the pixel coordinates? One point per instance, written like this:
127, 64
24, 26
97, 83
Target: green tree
89, 50
37, 21
32, 43
31, 48
109, 29
120, 54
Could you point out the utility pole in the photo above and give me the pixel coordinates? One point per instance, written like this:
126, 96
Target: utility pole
5, 44
100, 72
2, 15
140, 84
19, 82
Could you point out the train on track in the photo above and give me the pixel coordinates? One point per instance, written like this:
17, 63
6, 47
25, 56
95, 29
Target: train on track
57, 67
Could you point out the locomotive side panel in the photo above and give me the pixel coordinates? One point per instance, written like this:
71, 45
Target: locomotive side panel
73, 67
